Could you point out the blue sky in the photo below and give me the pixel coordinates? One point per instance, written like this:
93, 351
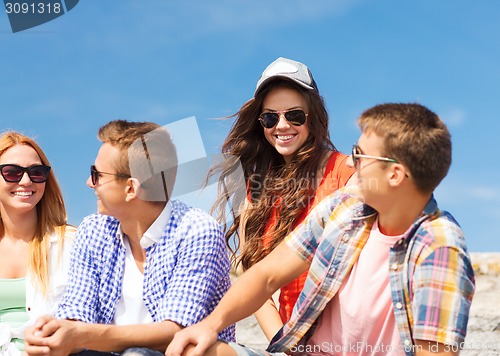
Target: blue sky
165, 60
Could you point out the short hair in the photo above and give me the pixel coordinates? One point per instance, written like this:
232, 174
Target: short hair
147, 153
414, 136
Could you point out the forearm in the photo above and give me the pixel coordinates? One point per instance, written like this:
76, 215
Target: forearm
429, 348
115, 338
243, 299
255, 286
269, 319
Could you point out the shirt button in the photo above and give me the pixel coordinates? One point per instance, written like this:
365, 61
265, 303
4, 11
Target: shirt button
400, 242
394, 266
345, 238
399, 305
407, 342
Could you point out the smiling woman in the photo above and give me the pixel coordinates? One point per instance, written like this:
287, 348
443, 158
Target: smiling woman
281, 139
34, 238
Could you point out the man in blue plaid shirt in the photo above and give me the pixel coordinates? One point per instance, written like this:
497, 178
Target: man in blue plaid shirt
144, 266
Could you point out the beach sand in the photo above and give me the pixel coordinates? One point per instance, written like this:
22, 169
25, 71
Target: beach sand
481, 338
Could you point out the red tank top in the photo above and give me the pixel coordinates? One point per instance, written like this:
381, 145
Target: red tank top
337, 173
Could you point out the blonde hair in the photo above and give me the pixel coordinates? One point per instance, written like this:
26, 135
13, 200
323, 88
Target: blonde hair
147, 153
51, 214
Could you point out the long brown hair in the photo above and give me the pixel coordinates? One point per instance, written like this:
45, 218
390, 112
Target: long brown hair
51, 213
270, 184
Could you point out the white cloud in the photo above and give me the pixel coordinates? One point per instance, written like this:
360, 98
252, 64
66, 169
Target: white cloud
262, 14
455, 117
60, 108
447, 193
166, 22
485, 193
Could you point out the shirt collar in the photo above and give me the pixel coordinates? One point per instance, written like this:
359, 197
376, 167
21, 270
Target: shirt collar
366, 211
431, 208
154, 233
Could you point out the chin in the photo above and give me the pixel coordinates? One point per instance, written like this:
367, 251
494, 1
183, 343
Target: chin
288, 151
100, 209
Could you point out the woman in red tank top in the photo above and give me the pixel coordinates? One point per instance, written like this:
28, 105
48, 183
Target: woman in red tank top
281, 139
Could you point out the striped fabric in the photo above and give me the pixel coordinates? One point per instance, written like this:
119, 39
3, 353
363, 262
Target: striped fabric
430, 272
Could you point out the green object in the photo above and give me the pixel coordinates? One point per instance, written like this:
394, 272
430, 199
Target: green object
13, 305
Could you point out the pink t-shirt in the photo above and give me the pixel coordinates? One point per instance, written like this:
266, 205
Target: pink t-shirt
359, 320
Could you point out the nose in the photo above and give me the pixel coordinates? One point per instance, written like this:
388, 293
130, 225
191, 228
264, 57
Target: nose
282, 123
89, 183
349, 162
25, 179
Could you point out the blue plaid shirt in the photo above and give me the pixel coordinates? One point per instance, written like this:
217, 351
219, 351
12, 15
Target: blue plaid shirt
430, 272
185, 275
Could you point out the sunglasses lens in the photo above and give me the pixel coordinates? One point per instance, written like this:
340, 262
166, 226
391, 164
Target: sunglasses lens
94, 175
355, 152
296, 117
39, 174
12, 173
269, 119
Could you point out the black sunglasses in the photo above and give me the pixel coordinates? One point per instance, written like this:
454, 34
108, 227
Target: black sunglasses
296, 117
95, 175
13, 173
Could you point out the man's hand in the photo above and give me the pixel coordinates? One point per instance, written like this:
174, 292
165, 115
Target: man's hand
51, 336
201, 335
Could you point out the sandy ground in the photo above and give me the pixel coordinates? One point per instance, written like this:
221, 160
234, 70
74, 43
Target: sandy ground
481, 338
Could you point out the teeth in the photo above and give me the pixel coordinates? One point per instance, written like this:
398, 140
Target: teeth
23, 194
284, 138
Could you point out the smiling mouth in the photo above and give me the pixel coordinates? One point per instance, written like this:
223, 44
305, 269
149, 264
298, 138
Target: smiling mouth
23, 194
285, 137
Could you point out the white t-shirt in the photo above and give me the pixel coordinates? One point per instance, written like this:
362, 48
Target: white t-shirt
131, 309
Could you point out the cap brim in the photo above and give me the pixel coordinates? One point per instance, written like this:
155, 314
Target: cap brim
262, 85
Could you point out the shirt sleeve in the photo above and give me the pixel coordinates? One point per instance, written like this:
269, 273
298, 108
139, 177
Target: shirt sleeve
200, 275
307, 236
80, 299
443, 289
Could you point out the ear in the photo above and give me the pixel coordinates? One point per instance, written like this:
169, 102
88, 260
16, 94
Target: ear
132, 189
397, 174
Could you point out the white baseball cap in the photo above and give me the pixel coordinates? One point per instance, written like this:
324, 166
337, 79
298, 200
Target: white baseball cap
287, 68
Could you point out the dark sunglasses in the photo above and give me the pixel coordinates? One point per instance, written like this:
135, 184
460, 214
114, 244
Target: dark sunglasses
295, 117
95, 175
356, 155
13, 173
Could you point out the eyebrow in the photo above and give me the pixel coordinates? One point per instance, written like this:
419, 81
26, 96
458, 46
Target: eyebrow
292, 108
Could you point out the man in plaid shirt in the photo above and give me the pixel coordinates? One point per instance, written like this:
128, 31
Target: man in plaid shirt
143, 267
389, 273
